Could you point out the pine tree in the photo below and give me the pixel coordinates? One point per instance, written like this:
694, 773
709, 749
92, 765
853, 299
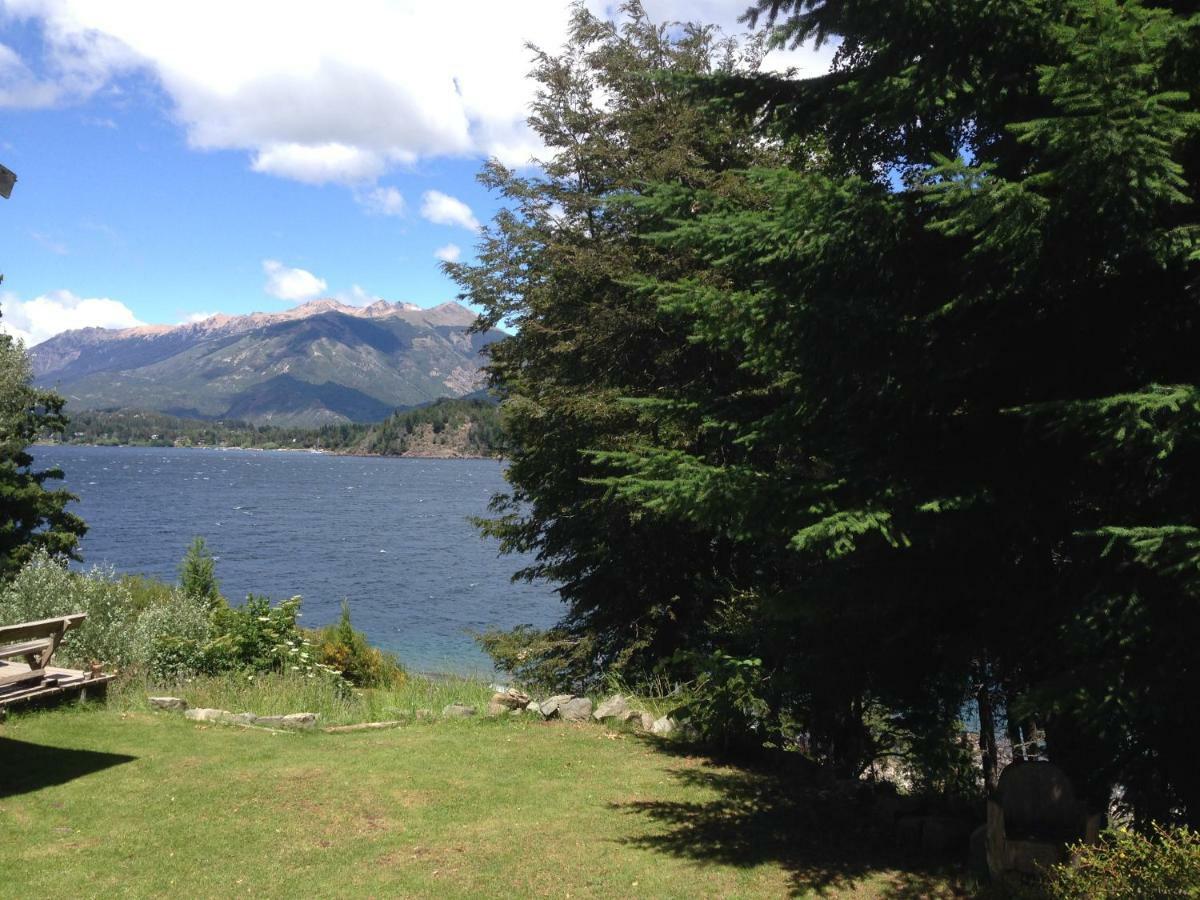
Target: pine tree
32, 516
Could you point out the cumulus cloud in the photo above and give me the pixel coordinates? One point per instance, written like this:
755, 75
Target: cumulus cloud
33, 321
449, 253
442, 209
381, 201
318, 97
357, 296
291, 284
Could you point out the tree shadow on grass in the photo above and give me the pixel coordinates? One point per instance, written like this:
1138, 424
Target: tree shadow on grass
823, 836
26, 767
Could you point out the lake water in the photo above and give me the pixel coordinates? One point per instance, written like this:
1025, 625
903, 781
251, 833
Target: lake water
390, 535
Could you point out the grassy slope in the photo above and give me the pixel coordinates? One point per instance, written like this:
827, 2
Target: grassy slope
101, 801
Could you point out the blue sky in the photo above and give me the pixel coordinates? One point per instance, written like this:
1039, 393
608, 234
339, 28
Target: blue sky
183, 159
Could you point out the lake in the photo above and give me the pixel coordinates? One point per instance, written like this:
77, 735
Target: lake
390, 535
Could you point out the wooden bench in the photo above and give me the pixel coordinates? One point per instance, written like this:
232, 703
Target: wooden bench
35, 644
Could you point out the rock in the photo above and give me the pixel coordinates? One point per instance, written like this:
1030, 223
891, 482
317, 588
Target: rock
663, 726
615, 707
202, 714
511, 698
495, 708
515, 712
645, 720
457, 711
577, 709
549, 707
363, 726
534, 707
242, 718
292, 720
172, 703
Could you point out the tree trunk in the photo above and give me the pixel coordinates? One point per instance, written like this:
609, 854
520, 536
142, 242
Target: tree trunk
987, 734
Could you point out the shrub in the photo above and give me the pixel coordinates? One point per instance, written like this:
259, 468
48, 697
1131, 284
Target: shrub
727, 706
260, 637
1165, 863
45, 588
342, 648
172, 639
197, 574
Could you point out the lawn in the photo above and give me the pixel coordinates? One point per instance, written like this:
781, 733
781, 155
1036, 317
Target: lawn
120, 801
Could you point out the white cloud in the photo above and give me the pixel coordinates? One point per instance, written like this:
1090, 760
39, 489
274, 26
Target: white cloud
442, 209
320, 97
193, 318
320, 163
33, 321
290, 284
357, 296
382, 201
449, 253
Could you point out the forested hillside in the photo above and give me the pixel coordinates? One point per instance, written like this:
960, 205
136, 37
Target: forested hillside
446, 427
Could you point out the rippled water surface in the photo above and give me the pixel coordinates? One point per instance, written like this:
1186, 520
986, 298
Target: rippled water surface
391, 535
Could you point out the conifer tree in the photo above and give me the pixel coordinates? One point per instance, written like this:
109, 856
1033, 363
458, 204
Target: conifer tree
32, 515
972, 299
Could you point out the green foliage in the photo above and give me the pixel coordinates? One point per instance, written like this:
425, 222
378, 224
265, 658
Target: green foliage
45, 588
346, 651
32, 516
197, 574
1164, 863
727, 705
885, 378
470, 425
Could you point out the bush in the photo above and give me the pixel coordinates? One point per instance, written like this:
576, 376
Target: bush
342, 648
172, 639
1165, 863
45, 588
727, 709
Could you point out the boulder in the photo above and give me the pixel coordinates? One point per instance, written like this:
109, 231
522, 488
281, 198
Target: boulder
511, 698
615, 707
202, 714
301, 720
644, 720
549, 707
663, 726
534, 707
172, 703
495, 708
577, 709
457, 711
242, 718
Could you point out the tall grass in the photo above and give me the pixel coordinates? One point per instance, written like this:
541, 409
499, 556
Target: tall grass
281, 693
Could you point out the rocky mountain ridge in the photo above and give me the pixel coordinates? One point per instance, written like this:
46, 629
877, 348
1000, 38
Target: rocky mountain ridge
320, 363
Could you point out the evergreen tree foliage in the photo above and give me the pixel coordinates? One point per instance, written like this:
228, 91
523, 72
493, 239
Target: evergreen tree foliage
972, 301
32, 515
198, 574
560, 267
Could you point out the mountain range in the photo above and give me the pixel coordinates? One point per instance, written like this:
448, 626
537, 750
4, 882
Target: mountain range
317, 364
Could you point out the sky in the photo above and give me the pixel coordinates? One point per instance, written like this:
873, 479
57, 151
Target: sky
179, 159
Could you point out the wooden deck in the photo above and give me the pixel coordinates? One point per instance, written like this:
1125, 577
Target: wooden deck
55, 681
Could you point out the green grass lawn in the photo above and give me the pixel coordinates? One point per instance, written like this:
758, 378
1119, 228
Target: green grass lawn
120, 801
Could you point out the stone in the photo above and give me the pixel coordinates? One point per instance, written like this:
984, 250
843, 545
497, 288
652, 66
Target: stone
663, 726
615, 707
242, 718
549, 707
171, 703
302, 721
511, 698
645, 720
495, 708
202, 714
534, 707
577, 709
457, 711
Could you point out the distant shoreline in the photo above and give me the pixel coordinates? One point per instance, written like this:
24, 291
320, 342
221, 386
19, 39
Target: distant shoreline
267, 450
